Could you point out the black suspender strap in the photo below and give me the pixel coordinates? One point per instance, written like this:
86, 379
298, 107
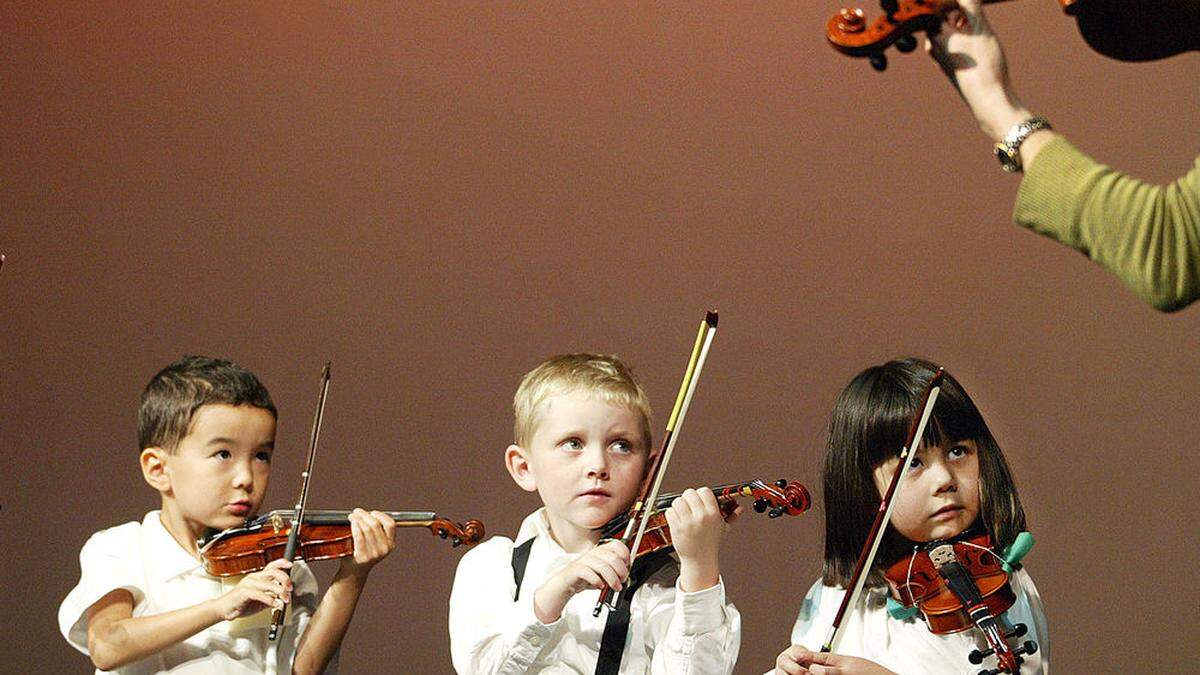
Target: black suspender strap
616, 628
520, 560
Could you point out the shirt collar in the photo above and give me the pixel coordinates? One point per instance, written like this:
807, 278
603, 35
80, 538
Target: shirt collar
535, 525
169, 559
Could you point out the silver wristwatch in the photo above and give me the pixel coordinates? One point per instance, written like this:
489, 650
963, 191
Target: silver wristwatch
1008, 150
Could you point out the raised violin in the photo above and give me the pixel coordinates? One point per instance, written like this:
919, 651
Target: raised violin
324, 535
959, 584
1129, 31
778, 499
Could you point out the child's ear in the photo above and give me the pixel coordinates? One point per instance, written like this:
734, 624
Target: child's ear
516, 460
154, 468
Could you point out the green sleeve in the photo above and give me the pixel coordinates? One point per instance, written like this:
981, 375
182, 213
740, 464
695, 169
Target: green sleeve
1147, 235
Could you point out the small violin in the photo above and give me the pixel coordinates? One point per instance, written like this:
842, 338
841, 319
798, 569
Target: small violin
324, 535
958, 584
776, 500
1128, 31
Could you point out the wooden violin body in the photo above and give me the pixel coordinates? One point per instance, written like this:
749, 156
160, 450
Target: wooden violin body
1121, 29
1142, 30
960, 584
782, 498
324, 535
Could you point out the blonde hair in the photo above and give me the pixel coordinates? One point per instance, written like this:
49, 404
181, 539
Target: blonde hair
601, 375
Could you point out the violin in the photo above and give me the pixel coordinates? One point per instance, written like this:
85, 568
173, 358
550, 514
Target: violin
958, 584
324, 535
782, 498
1128, 31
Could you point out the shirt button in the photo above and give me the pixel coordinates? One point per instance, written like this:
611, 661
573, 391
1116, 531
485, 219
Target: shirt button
535, 641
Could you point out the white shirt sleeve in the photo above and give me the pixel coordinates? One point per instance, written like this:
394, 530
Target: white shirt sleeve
489, 633
305, 598
703, 635
108, 561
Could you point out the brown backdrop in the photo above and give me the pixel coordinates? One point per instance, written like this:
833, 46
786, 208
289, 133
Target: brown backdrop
437, 195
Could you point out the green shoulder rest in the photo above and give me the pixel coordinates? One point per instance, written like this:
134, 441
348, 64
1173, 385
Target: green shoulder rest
1016, 551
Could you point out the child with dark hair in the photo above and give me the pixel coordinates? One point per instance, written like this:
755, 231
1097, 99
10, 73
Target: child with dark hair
144, 604
958, 481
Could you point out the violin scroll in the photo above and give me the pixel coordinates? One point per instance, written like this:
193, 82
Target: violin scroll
850, 33
775, 500
470, 533
1027, 647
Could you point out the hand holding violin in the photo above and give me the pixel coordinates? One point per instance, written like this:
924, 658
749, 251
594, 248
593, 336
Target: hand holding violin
796, 660
374, 537
697, 525
970, 54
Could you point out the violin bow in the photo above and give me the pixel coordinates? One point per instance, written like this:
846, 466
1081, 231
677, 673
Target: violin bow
866, 558
289, 553
653, 482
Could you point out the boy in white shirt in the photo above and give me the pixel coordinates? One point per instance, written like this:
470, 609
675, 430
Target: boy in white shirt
144, 604
582, 441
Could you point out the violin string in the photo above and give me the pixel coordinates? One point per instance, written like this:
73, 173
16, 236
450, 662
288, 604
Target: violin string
984, 549
908, 577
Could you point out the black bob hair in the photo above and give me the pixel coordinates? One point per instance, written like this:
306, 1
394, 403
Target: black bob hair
868, 427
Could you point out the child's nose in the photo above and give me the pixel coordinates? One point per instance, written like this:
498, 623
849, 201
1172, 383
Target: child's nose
243, 477
943, 478
597, 463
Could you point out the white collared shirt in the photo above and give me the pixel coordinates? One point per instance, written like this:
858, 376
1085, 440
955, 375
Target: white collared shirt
144, 559
906, 646
670, 631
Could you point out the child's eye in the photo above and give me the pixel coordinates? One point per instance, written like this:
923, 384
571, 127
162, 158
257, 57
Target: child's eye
222, 454
624, 447
573, 444
959, 450
262, 456
915, 463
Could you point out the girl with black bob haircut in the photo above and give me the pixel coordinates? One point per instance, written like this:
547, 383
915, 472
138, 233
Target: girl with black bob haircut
867, 428
959, 481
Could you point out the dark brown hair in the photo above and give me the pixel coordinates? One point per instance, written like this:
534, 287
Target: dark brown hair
868, 427
176, 392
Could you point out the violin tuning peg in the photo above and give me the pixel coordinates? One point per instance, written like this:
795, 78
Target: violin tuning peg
455, 542
906, 43
761, 505
1017, 631
443, 534
781, 483
775, 513
1028, 647
879, 62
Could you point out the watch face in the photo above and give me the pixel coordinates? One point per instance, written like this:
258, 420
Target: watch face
1007, 159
